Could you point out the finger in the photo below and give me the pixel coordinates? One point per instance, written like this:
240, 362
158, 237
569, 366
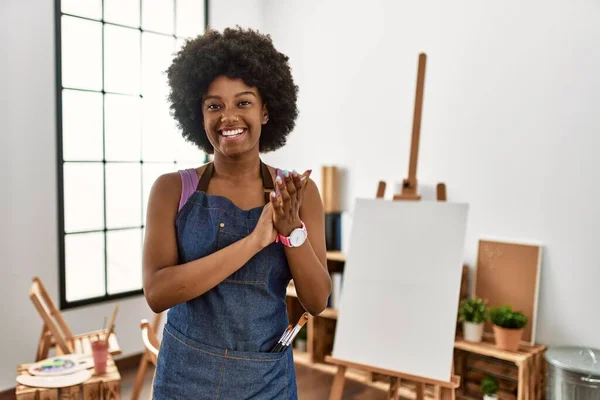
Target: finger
303, 183
291, 188
275, 204
285, 196
298, 183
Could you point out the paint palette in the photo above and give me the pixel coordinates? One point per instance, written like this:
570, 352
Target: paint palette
61, 365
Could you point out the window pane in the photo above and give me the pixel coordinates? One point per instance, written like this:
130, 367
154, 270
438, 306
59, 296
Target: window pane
123, 195
124, 249
158, 16
179, 44
190, 18
81, 53
123, 130
158, 131
84, 265
187, 152
83, 196
124, 12
157, 55
122, 59
151, 172
82, 125
83, 8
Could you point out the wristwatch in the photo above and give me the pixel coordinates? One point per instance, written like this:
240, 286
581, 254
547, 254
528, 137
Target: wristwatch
296, 238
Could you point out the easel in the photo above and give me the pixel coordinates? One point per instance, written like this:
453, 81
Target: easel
409, 184
442, 390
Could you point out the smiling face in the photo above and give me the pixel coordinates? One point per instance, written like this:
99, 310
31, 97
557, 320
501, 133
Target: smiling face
233, 116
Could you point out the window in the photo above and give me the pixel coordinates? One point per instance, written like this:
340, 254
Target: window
115, 135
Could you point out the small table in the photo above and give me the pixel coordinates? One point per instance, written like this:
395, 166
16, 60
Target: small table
106, 386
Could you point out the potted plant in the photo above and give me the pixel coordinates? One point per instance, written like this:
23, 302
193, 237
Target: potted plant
489, 387
508, 327
301, 339
473, 313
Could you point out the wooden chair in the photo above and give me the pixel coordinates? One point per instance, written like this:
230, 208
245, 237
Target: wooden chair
151, 347
57, 334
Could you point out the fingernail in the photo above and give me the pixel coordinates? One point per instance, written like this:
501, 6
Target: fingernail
309, 171
278, 179
286, 173
303, 178
273, 194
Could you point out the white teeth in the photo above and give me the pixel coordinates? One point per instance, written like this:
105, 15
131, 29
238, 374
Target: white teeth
232, 133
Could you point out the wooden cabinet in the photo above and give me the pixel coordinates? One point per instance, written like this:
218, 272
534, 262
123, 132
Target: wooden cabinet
520, 374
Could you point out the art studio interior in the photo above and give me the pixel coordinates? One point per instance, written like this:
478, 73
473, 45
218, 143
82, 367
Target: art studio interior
451, 150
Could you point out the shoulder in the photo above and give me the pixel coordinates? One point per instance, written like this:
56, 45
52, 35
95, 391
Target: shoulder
167, 188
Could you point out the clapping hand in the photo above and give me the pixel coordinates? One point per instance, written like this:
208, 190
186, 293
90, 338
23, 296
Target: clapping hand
287, 199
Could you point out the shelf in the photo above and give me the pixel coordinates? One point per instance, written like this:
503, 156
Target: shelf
336, 256
488, 348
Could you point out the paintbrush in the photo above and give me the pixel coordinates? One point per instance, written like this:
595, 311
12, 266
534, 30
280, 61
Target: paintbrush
289, 337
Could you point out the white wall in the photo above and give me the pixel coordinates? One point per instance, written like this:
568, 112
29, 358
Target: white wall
28, 234
228, 13
510, 122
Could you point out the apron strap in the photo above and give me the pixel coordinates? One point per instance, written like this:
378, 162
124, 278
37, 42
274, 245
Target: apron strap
268, 185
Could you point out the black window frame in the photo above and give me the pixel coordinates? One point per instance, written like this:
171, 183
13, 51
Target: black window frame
63, 303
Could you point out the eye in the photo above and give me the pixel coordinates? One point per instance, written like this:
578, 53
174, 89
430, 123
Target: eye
212, 106
244, 103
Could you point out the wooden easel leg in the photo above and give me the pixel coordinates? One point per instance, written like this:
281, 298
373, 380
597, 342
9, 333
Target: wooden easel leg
447, 394
43, 345
420, 389
394, 386
139, 379
337, 388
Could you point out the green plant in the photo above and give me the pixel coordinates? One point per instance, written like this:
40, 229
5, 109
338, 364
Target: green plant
301, 333
473, 310
489, 385
505, 317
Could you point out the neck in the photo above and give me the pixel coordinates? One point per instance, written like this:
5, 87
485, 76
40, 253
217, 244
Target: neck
247, 166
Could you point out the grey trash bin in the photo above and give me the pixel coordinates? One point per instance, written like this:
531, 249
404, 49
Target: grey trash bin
573, 373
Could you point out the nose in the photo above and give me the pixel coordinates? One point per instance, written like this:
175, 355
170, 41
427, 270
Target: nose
229, 118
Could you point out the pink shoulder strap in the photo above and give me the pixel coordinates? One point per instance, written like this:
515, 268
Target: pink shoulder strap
189, 182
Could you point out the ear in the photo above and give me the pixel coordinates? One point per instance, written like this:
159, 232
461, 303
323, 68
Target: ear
265, 114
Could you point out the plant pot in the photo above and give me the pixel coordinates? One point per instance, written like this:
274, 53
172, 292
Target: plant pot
472, 332
301, 345
507, 339
490, 397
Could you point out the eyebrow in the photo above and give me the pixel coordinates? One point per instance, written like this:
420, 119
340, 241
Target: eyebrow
212, 96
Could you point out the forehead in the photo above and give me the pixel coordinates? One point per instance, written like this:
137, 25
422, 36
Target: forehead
224, 87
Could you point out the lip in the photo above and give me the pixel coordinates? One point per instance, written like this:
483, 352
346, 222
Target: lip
223, 137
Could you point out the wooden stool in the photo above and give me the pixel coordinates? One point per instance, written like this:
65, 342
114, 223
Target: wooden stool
99, 387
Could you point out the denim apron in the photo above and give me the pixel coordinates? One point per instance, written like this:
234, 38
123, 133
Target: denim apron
217, 346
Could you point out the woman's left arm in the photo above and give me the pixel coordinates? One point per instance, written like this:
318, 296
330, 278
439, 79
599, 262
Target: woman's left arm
299, 201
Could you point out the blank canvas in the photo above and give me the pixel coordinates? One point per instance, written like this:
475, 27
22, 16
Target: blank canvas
401, 286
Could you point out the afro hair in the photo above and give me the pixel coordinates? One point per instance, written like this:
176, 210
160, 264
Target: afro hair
236, 53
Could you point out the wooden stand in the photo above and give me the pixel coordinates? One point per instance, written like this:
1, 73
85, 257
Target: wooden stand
446, 391
409, 185
105, 386
521, 374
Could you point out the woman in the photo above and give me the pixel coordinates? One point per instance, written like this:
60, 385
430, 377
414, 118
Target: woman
224, 240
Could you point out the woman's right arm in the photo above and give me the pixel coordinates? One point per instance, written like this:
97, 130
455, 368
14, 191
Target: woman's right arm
165, 282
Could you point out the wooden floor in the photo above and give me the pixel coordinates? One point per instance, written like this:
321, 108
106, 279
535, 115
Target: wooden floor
312, 385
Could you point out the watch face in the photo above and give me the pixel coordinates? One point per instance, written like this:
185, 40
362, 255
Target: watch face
297, 237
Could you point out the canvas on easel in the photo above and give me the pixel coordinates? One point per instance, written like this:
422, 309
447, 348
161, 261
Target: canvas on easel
509, 273
401, 281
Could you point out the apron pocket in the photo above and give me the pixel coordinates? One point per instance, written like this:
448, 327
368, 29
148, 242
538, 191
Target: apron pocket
250, 375
189, 369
